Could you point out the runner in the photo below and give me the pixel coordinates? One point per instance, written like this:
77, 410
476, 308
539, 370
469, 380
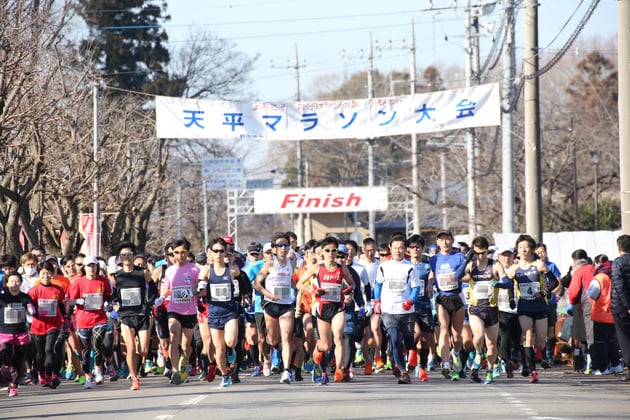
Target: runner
328, 279
91, 294
528, 276
134, 293
396, 289
424, 325
46, 326
373, 322
179, 289
14, 305
275, 283
447, 269
484, 277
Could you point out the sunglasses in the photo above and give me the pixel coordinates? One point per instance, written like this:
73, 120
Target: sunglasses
414, 247
329, 250
482, 252
282, 245
218, 251
126, 254
170, 254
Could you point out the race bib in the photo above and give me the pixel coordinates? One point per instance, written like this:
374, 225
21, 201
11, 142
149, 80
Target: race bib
503, 301
237, 287
130, 297
482, 289
93, 301
529, 290
282, 292
465, 295
396, 286
181, 294
421, 289
47, 307
220, 292
333, 292
14, 315
447, 282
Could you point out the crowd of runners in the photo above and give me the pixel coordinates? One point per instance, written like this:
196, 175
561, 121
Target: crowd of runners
329, 307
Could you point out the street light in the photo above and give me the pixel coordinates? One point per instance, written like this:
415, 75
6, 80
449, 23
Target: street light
595, 159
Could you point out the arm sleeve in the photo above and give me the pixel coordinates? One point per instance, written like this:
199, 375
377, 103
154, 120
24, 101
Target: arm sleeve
377, 290
414, 293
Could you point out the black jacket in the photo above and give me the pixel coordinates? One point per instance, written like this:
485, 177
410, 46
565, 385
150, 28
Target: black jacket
620, 286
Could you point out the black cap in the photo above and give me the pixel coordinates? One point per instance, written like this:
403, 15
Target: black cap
254, 248
201, 258
444, 232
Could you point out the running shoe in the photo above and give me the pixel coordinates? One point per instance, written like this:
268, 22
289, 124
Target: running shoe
184, 375
616, 369
55, 382
80, 379
545, 364
159, 370
470, 361
404, 378
148, 366
286, 377
47, 382
69, 372
87, 384
422, 375
28, 378
379, 366
509, 369
316, 373
496, 371
211, 374
339, 374
388, 365
474, 376
135, 385
534, 378
275, 361
317, 357
431, 363
396, 371
368, 368
176, 378
598, 372
231, 355
349, 375
358, 359
446, 372
455, 376
323, 380
257, 371
225, 382
298, 375
266, 370
489, 378
308, 366
457, 363
476, 362
12, 390
98, 376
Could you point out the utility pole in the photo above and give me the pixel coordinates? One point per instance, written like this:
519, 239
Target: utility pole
300, 230
415, 173
96, 244
533, 193
472, 75
623, 31
507, 119
370, 142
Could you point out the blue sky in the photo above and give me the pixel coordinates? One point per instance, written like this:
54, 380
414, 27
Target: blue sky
322, 30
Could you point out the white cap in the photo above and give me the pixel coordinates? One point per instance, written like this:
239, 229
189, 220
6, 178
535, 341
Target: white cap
90, 259
267, 247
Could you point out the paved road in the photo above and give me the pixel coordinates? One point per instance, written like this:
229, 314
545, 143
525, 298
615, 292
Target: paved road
559, 395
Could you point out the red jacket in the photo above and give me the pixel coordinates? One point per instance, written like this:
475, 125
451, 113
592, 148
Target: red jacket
580, 279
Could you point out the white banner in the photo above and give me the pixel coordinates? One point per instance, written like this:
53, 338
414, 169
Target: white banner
320, 200
477, 106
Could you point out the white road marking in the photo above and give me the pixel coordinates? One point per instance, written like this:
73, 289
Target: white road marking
194, 400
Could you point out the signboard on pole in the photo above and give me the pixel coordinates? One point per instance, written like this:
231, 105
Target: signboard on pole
320, 200
222, 173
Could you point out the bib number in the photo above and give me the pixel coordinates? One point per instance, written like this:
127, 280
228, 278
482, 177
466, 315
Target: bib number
447, 282
220, 292
47, 307
482, 289
529, 290
181, 294
14, 315
333, 292
130, 297
93, 301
